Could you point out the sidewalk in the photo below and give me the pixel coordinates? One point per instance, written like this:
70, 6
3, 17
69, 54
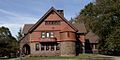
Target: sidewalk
15, 58
114, 57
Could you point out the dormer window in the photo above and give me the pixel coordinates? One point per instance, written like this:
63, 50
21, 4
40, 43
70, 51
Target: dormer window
52, 22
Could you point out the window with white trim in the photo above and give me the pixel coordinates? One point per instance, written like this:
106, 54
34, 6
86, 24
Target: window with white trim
51, 34
47, 34
43, 34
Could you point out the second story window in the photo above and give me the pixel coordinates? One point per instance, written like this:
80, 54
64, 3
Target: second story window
43, 34
52, 22
47, 34
51, 34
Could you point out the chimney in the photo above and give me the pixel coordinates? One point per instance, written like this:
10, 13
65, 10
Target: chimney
61, 12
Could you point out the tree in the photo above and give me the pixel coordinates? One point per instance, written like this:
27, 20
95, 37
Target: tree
103, 18
8, 43
19, 34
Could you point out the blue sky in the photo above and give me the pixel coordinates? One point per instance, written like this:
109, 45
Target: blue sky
15, 13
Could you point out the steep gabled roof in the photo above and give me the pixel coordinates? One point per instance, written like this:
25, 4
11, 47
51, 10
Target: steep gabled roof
45, 15
92, 37
81, 27
26, 28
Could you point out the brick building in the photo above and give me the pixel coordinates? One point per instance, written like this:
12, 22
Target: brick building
53, 35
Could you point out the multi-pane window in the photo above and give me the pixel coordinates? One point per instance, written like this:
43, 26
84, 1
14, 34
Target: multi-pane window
58, 47
43, 34
47, 47
42, 47
37, 46
51, 34
47, 34
52, 22
50, 46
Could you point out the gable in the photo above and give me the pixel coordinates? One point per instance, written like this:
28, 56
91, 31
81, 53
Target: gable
51, 15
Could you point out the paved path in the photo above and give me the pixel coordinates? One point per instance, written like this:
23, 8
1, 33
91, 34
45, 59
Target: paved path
15, 59
114, 57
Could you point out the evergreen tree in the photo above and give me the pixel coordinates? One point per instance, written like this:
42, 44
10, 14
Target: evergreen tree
19, 34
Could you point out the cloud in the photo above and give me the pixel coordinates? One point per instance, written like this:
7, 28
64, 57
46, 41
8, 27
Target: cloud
12, 17
12, 25
14, 28
15, 20
9, 13
15, 13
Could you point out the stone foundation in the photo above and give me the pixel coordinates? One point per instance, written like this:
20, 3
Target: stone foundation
43, 52
68, 49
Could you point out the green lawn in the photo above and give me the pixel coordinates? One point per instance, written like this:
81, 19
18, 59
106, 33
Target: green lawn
80, 57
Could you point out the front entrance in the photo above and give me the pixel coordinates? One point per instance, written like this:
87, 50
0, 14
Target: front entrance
26, 49
88, 48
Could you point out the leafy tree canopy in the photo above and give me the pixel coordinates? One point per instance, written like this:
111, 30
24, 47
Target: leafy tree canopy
7, 42
103, 18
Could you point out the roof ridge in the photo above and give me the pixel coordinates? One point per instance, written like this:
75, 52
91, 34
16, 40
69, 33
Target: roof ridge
41, 19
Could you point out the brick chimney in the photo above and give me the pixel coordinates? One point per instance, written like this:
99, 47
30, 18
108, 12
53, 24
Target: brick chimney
61, 12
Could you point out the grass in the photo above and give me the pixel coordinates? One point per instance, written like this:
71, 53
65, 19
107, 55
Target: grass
80, 57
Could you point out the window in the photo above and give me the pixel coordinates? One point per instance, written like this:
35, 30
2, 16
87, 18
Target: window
52, 47
51, 34
47, 47
47, 34
37, 46
57, 47
43, 34
52, 22
42, 47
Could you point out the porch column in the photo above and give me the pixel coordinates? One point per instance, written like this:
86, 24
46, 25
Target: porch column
95, 51
83, 47
94, 47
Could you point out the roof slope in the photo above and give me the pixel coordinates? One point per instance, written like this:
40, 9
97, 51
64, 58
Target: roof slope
81, 27
92, 37
26, 28
45, 15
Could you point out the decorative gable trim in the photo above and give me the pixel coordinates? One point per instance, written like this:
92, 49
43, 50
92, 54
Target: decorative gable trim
42, 19
45, 15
